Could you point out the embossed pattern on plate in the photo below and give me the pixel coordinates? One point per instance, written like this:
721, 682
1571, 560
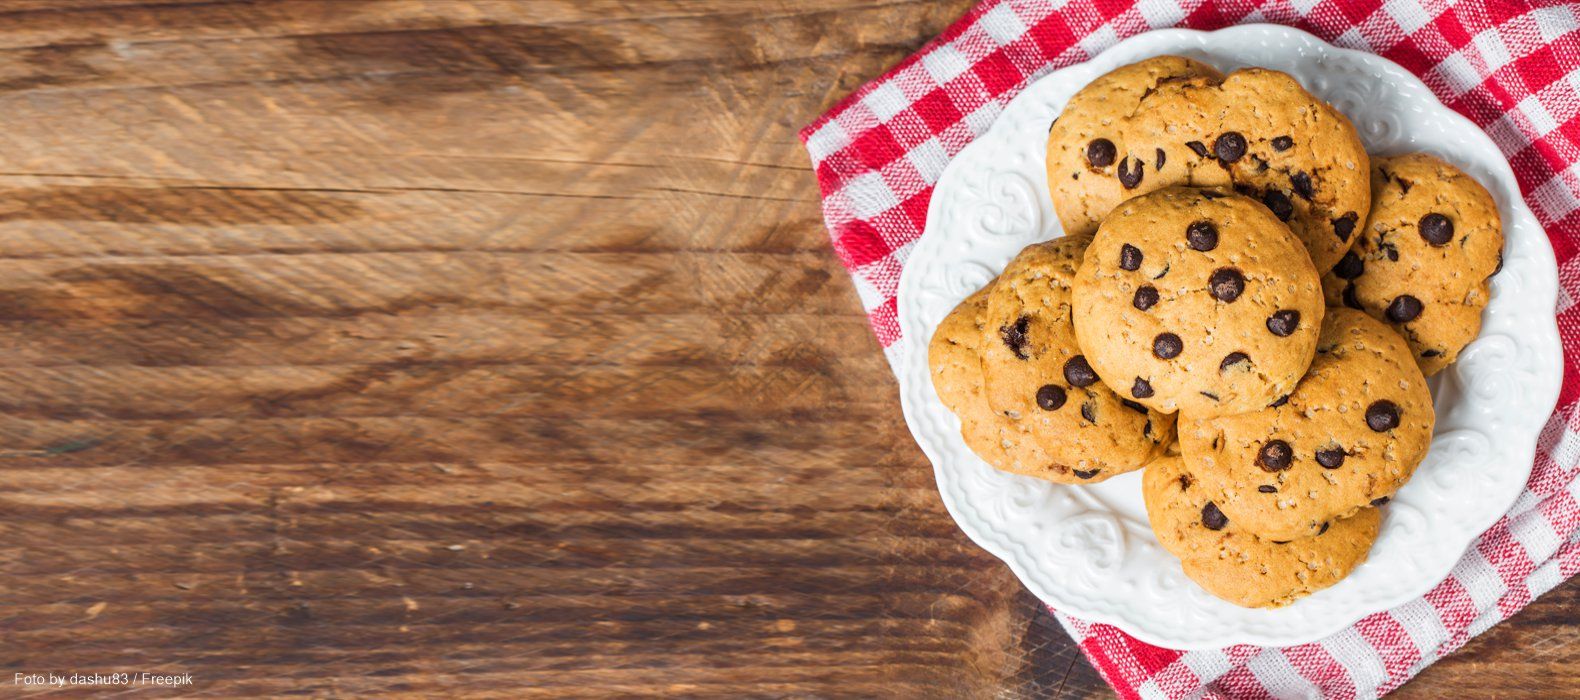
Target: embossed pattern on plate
1087, 550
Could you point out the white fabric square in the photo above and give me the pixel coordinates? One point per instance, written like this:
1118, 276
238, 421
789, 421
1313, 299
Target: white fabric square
929, 159
1002, 24
1100, 39
1535, 534
1556, 21
1161, 14
944, 63
885, 101
1492, 49
869, 195
1457, 73
1534, 110
1555, 198
1408, 14
827, 140
1422, 624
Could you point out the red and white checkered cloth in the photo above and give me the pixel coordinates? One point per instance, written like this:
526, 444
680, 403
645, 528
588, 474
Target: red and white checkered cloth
1513, 68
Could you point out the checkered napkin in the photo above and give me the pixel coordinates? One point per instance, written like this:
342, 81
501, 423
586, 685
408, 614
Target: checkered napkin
1511, 67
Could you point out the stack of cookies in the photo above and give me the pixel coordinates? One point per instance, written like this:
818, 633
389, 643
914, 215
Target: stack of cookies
1245, 304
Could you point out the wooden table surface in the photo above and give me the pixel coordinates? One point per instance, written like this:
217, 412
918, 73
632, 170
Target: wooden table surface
482, 348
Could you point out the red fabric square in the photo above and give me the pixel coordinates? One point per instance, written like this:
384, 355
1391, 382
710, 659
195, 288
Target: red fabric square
877, 147
998, 73
937, 110
859, 244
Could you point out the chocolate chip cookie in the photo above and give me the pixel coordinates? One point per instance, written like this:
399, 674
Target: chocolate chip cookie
1172, 121
1424, 259
1236, 565
1198, 301
955, 360
1351, 433
1064, 423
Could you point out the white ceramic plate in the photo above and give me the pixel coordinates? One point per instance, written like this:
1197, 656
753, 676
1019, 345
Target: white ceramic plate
1087, 550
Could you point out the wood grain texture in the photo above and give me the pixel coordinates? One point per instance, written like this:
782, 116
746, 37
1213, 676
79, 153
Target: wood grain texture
481, 348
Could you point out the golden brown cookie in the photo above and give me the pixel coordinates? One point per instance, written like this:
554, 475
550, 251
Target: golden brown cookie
1171, 121
1352, 432
953, 356
1197, 301
1064, 424
1236, 565
1423, 261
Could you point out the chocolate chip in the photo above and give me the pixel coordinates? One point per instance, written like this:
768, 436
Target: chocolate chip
1146, 297
1404, 185
1146, 429
1130, 172
1202, 236
1014, 336
1349, 297
1382, 416
1279, 202
1436, 229
1279, 401
1050, 397
1267, 488
1211, 194
1167, 346
1301, 182
1198, 147
1431, 353
1100, 153
1389, 249
1283, 143
1283, 323
1274, 456
1078, 372
1233, 359
1162, 157
1162, 272
1129, 257
1142, 389
1138, 408
1379, 501
1229, 147
1261, 165
1226, 284
1089, 411
1185, 482
1282, 541
1324, 528
1345, 225
1404, 308
1350, 266
1212, 518
1085, 475
1331, 458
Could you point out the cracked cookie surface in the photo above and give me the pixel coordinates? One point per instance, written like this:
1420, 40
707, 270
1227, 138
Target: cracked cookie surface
1173, 121
1197, 301
1236, 565
1424, 260
1352, 432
